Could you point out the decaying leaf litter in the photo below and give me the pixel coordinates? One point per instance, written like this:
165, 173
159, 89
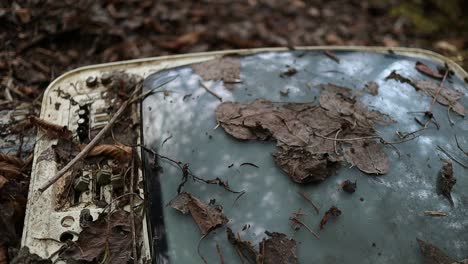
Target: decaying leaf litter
311, 140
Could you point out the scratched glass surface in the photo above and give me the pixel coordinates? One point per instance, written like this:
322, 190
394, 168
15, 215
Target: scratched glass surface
391, 213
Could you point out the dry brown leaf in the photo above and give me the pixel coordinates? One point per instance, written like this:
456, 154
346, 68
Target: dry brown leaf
52, 130
12, 160
332, 212
277, 249
26, 257
119, 152
423, 68
226, 69
3, 253
244, 248
445, 96
446, 180
433, 255
9, 170
207, 217
184, 40
372, 88
303, 167
3, 181
304, 153
368, 156
112, 232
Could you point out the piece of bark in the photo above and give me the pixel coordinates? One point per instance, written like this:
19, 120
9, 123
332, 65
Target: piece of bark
368, 156
278, 249
206, 217
433, 255
446, 181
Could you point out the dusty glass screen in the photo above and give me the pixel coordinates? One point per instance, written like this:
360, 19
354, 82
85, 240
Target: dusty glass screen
379, 222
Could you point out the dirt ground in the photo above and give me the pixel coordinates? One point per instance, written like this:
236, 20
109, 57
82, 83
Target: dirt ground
40, 40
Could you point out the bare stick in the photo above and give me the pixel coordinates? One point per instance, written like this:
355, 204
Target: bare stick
435, 213
296, 220
210, 91
334, 142
221, 258
347, 139
452, 157
459, 146
438, 91
448, 116
309, 200
91, 144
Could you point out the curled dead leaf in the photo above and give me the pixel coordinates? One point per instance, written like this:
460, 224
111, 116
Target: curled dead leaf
446, 181
119, 152
3, 181
12, 160
333, 212
206, 217
52, 130
9, 170
423, 68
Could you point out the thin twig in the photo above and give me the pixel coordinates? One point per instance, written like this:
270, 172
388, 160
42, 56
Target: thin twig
438, 91
452, 157
186, 172
210, 91
296, 220
347, 139
459, 147
334, 142
221, 258
93, 142
309, 200
198, 247
448, 116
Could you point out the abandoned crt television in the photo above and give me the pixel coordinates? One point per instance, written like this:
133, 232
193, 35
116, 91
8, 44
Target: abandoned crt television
311, 155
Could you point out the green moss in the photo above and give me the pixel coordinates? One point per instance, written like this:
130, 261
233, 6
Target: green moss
432, 16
